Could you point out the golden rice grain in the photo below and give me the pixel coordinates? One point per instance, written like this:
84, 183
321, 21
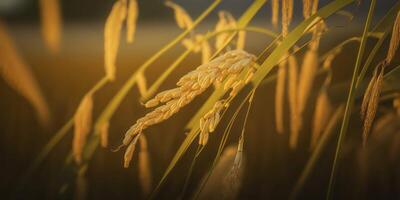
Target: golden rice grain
130, 150
182, 18
209, 121
395, 40
17, 74
275, 12
372, 104
145, 176
112, 34
51, 23
280, 96
189, 86
131, 20
306, 79
82, 126
141, 83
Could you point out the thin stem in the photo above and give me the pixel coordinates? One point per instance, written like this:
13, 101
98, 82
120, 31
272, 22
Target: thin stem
350, 102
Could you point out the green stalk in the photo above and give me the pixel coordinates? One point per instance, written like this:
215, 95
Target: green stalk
350, 101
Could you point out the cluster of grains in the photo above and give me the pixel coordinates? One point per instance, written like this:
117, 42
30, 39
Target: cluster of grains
371, 99
189, 86
395, 40
112, 32
82, 126
227, 21
292, 95
182, 18
51, 23
199, 43
372, 93
209, 121
18, 75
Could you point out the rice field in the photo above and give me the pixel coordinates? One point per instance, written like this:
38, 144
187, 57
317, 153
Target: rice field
261, 100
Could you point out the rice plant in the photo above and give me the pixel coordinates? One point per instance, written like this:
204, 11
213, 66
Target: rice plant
281, 101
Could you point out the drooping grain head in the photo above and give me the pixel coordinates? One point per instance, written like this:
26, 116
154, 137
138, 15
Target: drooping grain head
280, 96
189, 86
307, 7
395, 40
50, 12
209, 122
275, 12
287, 13
292, 95
112, 34
372, 103
322, 114
82, 126
199, 43
306, 79
18, 75
130, 150
182, 18
226, 21
131, 20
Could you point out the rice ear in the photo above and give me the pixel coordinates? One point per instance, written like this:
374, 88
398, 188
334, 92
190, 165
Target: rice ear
395, 40
145, 176
18, 75
367, 94
82, 126
372, 104
205, 51
112, 34
182, 18
103, 131
275, 12
280, 96
51, 23
131, 20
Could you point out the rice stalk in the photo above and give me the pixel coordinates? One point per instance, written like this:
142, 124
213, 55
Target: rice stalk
182, 18
81, 184
350, 100
264, 69
50, 15
142, 84
144, 167
275, 12
131, 20
112, 34
18, 75
82, 126
373, 101
394, 40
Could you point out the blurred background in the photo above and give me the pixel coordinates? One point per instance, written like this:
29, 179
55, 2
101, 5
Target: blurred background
64, 77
